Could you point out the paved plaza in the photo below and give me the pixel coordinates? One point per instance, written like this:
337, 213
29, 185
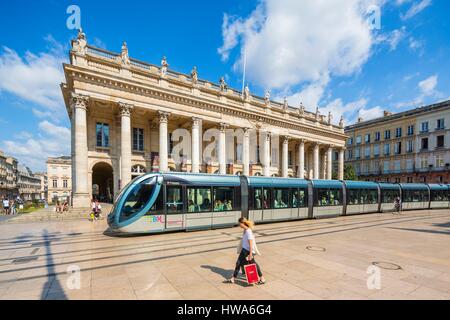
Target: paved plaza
313, 259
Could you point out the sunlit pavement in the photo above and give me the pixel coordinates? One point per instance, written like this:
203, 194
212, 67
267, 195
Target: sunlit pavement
314, 259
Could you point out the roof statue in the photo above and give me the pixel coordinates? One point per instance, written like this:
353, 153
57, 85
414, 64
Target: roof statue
223, 84
164, 66
124, 57
194, 75
80, 44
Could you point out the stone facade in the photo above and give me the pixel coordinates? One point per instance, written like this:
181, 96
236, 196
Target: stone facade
8, 176
29, 185
59, 175
44, 185
126, 116
412, 146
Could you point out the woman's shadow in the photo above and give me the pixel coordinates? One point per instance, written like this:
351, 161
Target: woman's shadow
226, 274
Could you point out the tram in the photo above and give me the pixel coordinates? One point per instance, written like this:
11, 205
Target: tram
164, 202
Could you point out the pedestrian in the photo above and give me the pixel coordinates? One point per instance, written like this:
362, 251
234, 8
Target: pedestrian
97, 210
12, 207
249, 249
6, 205
397, 205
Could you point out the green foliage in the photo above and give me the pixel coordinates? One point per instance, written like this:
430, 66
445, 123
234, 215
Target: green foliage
349, 173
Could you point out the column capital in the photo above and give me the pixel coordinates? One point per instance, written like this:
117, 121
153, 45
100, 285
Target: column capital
196, 121
125, 109
223, 126
286, 139
163, 116
79, 101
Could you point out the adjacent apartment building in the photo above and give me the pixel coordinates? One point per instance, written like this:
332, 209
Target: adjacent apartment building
29, 185
44, 185
8, 176
406, 147
59, 175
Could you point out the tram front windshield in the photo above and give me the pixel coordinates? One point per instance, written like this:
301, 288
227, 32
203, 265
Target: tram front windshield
138, 198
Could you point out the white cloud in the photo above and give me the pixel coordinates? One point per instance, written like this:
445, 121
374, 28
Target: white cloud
289, 42
35, 77
416, 8
427, 89
371, 113
392, 38
33, 150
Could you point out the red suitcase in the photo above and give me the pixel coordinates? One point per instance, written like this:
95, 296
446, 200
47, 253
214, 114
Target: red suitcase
251, 273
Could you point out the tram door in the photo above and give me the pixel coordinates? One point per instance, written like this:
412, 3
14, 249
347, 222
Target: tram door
174, 200
256, 208
267, 214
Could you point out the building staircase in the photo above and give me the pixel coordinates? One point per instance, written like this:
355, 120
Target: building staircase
49, 214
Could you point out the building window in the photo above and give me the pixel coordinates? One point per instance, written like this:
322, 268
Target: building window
367, 138
387, 149
376, 150
357, 153
440, 124
398, 132
350, 141
386, 166
439, 161
424, 162
424, 126
409, 164
349, 154
397, 166
398, 148
358, 169
410, 146
440, 141
290, 158
387, 134
358, 140
102, 131
410, 130
138, 139
377, 136
64, 183
424, 143
367, 152
409, 179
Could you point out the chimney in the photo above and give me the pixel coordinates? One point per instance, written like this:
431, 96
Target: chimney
387, 113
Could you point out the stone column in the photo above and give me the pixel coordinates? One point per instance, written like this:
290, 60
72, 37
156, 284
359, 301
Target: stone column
125, 143
330, 163
163, 141
316, 161
196, 145
80, 159
341, 164
266, 158
222, 148
301, 157
285, 158
246, 152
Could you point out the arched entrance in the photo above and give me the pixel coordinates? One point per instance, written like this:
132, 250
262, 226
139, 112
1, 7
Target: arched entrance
102, 182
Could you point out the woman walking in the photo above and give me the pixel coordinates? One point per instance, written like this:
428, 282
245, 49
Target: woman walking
249, 249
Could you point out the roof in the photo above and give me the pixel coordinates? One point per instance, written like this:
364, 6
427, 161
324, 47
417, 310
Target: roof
389, 186
414, 186
333, 184
361, 185
438, 187
430, 108
277, 182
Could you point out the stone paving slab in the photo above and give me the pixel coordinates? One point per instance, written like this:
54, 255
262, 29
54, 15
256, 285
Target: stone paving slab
312, 259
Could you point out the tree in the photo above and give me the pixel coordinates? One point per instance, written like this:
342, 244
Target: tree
349, 173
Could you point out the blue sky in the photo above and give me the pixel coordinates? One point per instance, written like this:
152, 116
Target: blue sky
321, 53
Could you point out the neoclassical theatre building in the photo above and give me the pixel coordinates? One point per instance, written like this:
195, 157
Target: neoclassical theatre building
127, 115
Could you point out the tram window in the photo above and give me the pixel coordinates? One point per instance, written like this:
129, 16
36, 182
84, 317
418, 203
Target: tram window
223, 199
137, 199
299, 198
328, 197
372, 196
388, 196
438, 195
353, 196
158, 207
266, 198
199, 200
281, 198
257, 199
174, 202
